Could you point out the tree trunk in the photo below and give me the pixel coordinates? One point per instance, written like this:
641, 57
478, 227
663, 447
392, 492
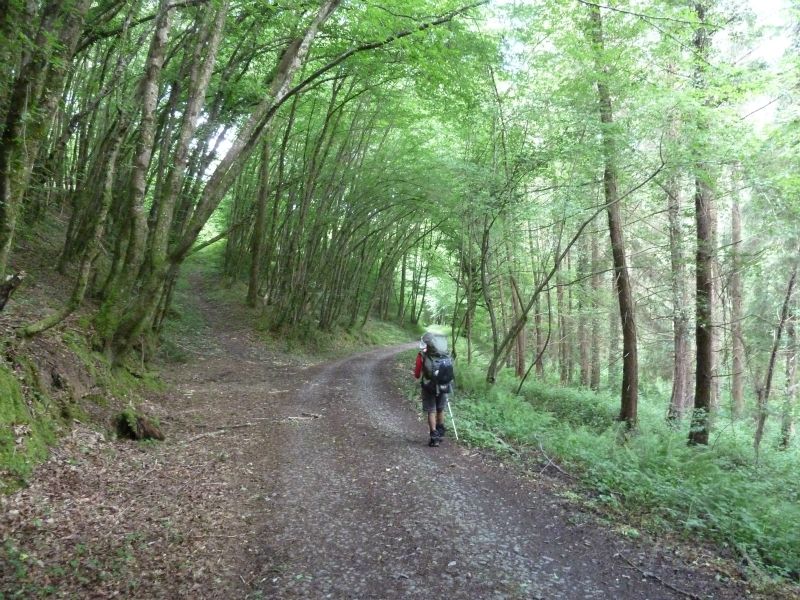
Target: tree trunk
251, 133
612, 364
401, 301
31, 108
259, 227
764, 391
418, 315
679, 399
737, 312
222, 177
704, 333
537, 318
501, 292
790, 400
584, 344
630, 364
519, 365
148, 95
563, 342
485, 283
504, 346
703, 329
717, 302
597, 281
106, 169
537, 312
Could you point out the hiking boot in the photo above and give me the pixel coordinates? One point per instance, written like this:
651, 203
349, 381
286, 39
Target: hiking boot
440, 430
434, 439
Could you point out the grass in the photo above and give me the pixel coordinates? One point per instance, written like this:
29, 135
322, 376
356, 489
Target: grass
313, 343
304, 340
651, 480
184, 319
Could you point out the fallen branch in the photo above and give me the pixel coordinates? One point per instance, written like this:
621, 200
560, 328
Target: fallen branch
650, 575
206, 434
304, 417
550, 462
219, 431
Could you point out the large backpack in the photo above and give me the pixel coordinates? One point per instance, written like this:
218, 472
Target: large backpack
437, 366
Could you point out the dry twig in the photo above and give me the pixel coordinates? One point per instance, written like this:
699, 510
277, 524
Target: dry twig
650, 575
550, 462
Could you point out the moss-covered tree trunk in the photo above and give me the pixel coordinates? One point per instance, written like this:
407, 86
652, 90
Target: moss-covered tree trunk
105, 169
31, 107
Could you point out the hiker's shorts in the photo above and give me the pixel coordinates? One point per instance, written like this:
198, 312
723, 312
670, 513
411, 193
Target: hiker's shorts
433, 403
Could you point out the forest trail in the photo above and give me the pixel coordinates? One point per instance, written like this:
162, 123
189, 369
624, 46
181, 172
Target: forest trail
283, 480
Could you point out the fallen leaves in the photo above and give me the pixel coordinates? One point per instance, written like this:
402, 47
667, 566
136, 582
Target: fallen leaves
103, 519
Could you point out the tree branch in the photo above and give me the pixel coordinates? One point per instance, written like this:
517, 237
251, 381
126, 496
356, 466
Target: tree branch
372, 46
218, 237
637, 14
92, 37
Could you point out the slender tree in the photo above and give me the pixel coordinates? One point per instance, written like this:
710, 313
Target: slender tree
630, 363
679, 399
790, 391
737, 310
764, 390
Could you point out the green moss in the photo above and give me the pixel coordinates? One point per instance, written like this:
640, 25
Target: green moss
128, 416
24, 437
77, 344
123, 382
30, 421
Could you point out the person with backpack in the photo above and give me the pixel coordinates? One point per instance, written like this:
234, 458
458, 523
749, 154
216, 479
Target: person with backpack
435, 367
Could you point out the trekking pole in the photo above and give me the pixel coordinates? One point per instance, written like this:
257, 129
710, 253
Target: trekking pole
450, 410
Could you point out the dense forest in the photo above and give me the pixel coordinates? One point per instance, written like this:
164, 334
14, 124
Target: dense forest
596, 196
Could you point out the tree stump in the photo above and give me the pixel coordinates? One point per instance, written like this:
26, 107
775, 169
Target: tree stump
7, 288
133, 426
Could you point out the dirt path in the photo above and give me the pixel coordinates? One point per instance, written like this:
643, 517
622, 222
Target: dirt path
290, 481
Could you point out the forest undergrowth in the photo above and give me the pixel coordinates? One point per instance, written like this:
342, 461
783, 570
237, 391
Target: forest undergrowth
650, 480
304, 340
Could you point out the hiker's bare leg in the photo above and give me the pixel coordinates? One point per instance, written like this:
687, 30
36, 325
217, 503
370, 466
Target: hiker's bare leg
439, 417
432, 416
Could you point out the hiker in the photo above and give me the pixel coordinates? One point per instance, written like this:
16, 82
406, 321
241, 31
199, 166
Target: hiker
435, 367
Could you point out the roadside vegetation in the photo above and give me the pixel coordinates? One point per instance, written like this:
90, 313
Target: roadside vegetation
651, 480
